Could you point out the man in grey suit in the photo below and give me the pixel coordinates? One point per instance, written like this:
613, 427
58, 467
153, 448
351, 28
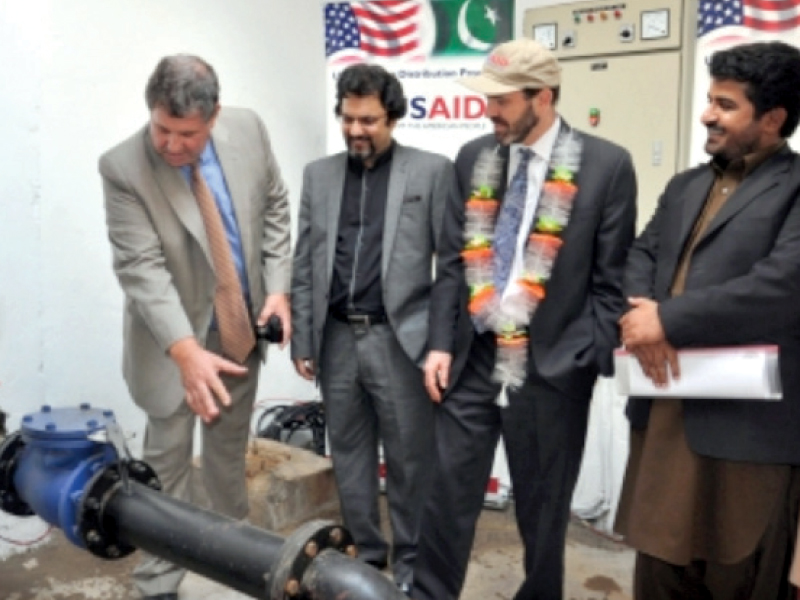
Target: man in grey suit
367, 231
179, 359
537, 336
712, 486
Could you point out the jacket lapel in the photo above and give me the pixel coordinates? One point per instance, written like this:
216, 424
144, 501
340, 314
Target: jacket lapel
333, 206
178, 195
564, 129
394, 203
766, 176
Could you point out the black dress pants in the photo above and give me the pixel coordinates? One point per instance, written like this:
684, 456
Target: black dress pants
544, 433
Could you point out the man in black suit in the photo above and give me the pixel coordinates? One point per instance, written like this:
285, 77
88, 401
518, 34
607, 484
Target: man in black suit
711, 490
552, 354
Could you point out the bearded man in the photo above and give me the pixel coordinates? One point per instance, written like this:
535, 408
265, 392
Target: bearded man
523, 318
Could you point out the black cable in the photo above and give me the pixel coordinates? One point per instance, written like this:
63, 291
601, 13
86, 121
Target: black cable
281, 422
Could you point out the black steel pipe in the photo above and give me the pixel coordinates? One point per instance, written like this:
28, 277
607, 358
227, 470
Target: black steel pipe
230, 552
118, 515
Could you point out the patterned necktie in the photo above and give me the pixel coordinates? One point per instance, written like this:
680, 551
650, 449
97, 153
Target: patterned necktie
506, 230
235, 329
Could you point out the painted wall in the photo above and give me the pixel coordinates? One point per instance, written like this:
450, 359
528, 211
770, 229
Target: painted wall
74, 76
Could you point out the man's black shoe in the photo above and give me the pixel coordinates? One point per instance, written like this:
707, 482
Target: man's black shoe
167, 596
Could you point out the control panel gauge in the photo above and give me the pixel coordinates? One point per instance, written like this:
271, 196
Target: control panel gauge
655, 24
546, 34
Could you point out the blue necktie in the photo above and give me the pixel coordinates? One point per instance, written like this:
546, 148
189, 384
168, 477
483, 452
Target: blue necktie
506, 230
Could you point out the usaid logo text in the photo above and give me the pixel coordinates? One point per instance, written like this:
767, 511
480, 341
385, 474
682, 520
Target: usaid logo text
447, 107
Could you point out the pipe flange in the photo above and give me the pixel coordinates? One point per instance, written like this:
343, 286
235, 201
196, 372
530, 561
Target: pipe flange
10, 501
302, 547
98, 532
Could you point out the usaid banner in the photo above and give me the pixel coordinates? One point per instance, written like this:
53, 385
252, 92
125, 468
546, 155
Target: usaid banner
428, 45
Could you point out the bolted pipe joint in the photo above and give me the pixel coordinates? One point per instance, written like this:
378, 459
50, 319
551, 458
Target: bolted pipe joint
331, 575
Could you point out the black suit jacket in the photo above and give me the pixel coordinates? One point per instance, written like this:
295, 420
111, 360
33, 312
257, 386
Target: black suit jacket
574, 330
742, 287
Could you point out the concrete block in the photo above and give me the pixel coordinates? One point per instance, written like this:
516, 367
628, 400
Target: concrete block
288, 485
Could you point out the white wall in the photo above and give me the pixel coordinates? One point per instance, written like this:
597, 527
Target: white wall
73, 76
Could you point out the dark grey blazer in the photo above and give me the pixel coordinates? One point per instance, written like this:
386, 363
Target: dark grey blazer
419, 186
743, 287
574, 331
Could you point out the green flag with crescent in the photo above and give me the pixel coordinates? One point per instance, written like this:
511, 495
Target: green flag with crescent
471, 26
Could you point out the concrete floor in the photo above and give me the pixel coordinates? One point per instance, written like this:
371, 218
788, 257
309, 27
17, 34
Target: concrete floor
597, 569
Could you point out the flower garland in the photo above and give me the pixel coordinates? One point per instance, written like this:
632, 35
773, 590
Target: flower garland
510, 316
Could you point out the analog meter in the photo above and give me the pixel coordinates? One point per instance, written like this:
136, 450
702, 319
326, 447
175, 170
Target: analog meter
655, 24
546, 34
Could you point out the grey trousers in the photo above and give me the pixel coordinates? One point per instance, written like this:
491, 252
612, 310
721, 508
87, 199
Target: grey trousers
373, 392
168, 448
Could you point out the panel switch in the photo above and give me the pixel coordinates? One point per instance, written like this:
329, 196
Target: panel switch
627, 32
658, 151
570, 39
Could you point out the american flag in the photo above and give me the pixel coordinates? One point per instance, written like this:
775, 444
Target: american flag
357, 31
762, 15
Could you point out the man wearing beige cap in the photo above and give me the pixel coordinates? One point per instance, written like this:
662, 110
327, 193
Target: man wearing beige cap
523, 318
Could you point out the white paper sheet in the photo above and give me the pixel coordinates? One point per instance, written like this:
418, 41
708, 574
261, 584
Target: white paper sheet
726, 373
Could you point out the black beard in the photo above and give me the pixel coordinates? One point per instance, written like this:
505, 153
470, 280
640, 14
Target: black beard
520, 130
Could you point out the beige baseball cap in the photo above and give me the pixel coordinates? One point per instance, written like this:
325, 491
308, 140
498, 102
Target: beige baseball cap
516, 65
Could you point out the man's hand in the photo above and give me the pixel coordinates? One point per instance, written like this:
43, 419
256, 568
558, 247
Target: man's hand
643, 335
277, 304
305, 368
659, 362
641, 324
200, 371
437, 373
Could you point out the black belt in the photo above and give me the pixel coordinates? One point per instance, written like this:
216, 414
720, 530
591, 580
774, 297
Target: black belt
359, 318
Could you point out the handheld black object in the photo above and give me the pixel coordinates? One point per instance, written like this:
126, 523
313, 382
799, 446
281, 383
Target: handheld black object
272, 332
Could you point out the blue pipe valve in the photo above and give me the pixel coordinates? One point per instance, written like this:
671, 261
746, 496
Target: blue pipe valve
46, 466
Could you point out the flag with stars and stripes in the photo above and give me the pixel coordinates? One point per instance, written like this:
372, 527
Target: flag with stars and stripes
360, 30
759, 15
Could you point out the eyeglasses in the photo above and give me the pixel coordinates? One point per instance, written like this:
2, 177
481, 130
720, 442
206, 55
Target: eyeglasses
366, 122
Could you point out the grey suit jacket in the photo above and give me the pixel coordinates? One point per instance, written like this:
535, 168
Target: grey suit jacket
161, 254
420, 184
742, 287
574, 330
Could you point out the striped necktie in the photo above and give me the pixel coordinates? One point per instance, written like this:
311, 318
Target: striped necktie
235, 328
506, 230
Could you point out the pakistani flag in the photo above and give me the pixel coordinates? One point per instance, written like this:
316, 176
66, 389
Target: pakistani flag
471, 26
